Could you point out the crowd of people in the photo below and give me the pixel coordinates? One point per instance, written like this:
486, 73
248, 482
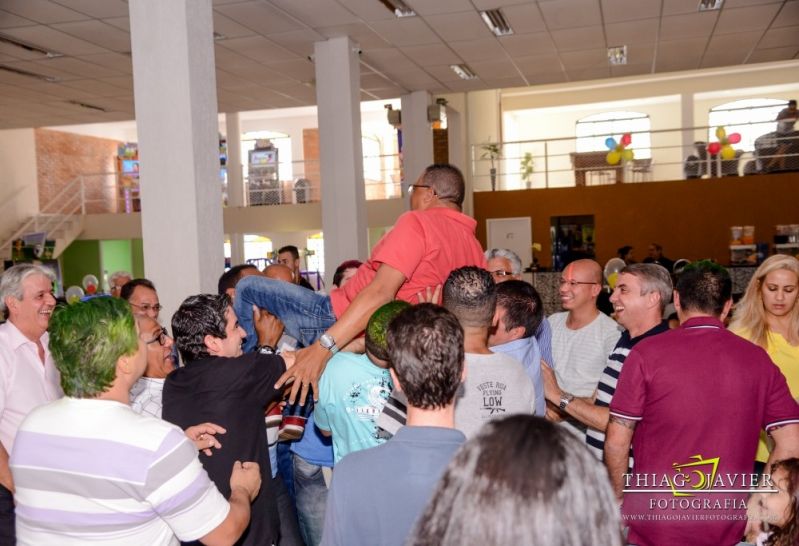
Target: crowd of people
424, 400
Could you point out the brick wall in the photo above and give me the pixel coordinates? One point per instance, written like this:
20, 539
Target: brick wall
61, 157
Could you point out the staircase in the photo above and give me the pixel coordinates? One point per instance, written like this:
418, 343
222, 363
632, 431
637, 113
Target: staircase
61, 219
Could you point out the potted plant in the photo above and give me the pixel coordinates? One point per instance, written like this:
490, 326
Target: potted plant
526, 167
492, 152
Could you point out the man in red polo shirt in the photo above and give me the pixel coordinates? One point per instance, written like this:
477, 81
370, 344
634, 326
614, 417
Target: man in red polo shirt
421, 250
693, 401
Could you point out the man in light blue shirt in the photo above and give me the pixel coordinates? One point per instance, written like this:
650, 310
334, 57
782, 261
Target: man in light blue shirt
519, 314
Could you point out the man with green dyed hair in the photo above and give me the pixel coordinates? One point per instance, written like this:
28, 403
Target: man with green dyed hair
355, 387
89, 469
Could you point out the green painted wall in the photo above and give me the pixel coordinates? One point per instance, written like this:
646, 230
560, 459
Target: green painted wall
116, 255
137, 258
79, 259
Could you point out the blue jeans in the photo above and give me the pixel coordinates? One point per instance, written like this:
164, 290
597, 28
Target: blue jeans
304, 313
311, 491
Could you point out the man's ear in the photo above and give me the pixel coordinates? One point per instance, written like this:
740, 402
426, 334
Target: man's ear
213, 344
676, 300
394, 379
495, 320
516, 333
124, 365
726, 310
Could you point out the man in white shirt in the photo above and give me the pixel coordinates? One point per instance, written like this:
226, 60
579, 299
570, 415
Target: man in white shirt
582, 336
28, 377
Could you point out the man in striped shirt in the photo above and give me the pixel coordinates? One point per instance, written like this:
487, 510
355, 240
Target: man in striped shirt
639, 297
88, 470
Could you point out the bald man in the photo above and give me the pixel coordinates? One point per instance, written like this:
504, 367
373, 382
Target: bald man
279, 272
582, 336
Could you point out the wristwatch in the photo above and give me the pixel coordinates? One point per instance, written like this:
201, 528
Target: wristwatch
327, 342
266, 350
565, 400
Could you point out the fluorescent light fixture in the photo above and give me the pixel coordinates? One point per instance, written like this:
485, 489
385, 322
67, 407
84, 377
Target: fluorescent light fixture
27, 46
496, 22
710, 5
398, 8
617, 55
20, 72
463, 71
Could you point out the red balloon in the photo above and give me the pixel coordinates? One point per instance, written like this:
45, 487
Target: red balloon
626, 138
714, 148
734, 138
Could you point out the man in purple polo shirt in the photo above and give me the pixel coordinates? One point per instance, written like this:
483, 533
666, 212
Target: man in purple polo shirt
696, 399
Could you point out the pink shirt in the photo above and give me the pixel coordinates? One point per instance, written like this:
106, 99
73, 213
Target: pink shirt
425, 246
25, 383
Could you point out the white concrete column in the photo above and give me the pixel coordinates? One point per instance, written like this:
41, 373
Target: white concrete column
174, 87
235, 181
235, 176
687, 120
417, 136
455, 132
483, 124
340, 154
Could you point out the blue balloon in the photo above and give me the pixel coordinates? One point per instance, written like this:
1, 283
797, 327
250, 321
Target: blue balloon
610, 142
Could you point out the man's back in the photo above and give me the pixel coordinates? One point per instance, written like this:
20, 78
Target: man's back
377, 494
496, 386
698, 393
231, 392
95, 472
425, 246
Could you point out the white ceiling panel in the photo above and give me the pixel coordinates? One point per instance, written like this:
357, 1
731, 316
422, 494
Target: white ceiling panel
574, 39
9, 20
571, 13
405, 32
317, 13
788, 16
455, 27
524, 18
78, 67
687, 26
115, 61
494, 69
258, 48
426, 7
259, 16
479, 50
368, 10
773, 54
780, 37
736, 20
644, 31
522, 45
591, 58
301, 69
616, 11
98, 9
360, 33
300, 42
54, 40
538, 64
429, 55
42, 11
229, 28
98, 33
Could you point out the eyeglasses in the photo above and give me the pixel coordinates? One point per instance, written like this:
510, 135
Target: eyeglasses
502, 273
146, 307
572, 283
160, 338
413, 187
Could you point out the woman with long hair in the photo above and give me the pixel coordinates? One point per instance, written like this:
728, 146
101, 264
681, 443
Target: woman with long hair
521, 480
768, 315
779, 510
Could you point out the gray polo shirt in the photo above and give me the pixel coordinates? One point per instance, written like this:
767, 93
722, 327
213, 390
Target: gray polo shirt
377, 494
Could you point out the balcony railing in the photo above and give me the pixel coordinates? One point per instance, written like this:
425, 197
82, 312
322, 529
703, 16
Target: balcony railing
658, 155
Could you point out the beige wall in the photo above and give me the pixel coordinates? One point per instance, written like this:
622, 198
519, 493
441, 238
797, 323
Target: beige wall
19, 196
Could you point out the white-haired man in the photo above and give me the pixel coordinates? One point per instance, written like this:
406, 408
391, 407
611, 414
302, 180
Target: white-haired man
28, 377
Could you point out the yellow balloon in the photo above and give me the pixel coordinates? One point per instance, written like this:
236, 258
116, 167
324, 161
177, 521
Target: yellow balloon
727, 152
720, 133
612, 278
613, 157
627, 155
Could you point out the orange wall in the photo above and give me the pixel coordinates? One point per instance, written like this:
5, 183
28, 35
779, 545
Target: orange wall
690, 218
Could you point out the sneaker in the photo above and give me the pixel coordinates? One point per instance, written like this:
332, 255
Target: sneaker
274, 417
292, 428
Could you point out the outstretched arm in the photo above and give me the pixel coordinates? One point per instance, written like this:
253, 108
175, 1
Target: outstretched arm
311, 361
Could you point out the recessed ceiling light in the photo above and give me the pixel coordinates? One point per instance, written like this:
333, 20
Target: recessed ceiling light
710, 5
463, 71
617, 55
20, 72
398, 8
496, 22
27, 46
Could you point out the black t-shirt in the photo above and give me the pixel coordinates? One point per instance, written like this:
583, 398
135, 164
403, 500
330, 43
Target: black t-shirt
232, 393
304, 283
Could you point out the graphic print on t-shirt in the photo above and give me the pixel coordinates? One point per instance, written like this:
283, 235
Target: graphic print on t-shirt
492, 393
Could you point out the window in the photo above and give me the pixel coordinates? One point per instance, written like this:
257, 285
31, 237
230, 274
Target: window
372, 168
593, 130
316, 261
749, 117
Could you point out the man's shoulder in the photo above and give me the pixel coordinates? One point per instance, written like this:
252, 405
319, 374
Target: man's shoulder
557, 320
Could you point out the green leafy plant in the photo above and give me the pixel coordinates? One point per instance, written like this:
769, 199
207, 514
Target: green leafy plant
526, 166
492, 152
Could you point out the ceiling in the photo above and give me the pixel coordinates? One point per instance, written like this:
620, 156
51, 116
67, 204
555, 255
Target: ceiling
263, 48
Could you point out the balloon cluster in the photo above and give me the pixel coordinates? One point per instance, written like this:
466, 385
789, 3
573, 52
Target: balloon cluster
90, 284
723, 145
74, 294
618, 150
